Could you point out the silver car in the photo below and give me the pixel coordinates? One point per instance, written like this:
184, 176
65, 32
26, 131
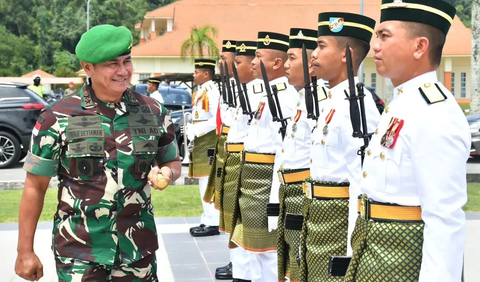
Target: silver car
474, 122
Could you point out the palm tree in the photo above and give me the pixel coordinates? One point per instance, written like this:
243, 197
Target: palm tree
201, 39
475, 89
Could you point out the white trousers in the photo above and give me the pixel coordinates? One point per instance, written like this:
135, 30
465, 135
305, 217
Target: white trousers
263, 266
210, 216
240, 263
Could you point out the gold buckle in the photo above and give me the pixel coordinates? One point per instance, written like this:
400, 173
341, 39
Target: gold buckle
280, 177
364, 206
309, 190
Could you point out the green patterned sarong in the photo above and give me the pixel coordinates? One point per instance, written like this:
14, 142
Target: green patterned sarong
385, 251
288, 240
251, 229
200, 166
324, 234
215, 178
229, 196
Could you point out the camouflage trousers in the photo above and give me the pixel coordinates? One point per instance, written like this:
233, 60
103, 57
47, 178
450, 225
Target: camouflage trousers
76, 270
385, 251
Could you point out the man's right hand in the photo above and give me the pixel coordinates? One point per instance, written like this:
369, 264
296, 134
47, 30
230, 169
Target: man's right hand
28, 266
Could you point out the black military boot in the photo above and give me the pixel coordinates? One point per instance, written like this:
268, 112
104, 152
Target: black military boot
205, 230
224, 273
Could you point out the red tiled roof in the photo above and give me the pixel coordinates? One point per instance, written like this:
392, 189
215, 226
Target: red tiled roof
242, 19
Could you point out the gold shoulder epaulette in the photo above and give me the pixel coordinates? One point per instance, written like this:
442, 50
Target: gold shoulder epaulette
281, 86
257, 88
432, 93
322, 93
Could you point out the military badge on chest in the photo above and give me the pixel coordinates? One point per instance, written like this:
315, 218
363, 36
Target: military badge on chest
259, 112
390, 137
328, 119
295, 120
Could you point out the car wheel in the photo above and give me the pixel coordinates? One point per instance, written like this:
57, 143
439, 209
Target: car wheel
10, 150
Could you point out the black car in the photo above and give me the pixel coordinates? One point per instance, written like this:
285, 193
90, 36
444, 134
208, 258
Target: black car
19, 110
474, 123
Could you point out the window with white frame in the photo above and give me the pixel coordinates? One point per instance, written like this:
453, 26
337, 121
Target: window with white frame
373, 79
453, 84
463, 84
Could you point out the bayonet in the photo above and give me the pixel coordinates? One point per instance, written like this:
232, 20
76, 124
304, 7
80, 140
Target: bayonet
231, 97
315, 98
241, 93
222, 81
307, 87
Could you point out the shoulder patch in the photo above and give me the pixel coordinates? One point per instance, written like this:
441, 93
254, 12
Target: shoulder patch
281, 86
257, 88
322, 93
432, 93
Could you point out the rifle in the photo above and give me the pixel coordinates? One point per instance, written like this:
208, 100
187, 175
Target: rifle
223, 90
241, 93
307, 87
315, 98
271, 102
231, 97
247, 100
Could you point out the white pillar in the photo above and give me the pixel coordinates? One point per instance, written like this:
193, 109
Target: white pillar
169, 25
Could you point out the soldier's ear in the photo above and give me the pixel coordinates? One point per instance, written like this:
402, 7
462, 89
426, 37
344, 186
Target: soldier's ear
278, 63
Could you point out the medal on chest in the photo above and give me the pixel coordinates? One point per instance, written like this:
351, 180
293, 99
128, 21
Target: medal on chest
391, 135
258, 113
295, 120
328, 119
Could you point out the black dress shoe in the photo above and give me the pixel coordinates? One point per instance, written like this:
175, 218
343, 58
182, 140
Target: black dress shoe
241, 280
206, 230
224, 272
196, 227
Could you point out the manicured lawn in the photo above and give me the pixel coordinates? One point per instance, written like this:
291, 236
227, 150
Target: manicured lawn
175, 201
464, 106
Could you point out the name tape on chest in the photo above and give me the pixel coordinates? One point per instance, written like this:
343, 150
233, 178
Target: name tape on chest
432, 93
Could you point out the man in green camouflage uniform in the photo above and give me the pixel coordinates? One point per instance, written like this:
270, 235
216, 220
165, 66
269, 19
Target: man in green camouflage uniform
101, 142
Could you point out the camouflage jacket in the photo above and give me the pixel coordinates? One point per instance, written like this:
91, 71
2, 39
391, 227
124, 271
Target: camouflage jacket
102, 153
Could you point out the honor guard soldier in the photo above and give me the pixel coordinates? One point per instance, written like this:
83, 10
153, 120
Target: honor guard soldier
411, 225
335, 167
260, 146
202, 133
225, 113
153, 89
294, 165
101, 142
245, 53
224, 118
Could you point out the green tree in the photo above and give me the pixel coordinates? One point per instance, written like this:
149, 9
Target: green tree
16, 54
201, 39
475, 59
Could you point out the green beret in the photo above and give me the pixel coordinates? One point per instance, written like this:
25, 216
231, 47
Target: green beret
301, 36
104, 43
246, 48
345, 24
436, 13
272, 41
229, 46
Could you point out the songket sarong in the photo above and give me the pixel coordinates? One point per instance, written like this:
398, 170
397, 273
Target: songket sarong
290, 221
386, 248
251, 228
229, 194
325, 228
215, 177
200, 165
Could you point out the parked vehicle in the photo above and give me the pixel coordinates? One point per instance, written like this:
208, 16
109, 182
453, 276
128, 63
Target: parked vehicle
474, 122
19, 110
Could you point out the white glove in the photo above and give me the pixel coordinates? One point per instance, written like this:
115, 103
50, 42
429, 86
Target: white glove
190, 132
272, 223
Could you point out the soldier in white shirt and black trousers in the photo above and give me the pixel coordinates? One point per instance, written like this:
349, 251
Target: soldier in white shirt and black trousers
411, 225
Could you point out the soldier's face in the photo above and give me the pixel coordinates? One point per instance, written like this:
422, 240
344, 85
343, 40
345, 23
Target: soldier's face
111, 77
328, 60
227, 57
244, 68
394, 51
294, 67
266, 57
200, 76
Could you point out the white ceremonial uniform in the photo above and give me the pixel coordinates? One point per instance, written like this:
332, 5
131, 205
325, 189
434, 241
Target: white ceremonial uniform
227, 112
334, 155
239, 257
426, 167
157, 96
210, 215
295, 151
263, 137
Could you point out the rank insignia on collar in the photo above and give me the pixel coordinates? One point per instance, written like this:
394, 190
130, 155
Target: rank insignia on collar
322, 93
257, 88
281, 86
432, 93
